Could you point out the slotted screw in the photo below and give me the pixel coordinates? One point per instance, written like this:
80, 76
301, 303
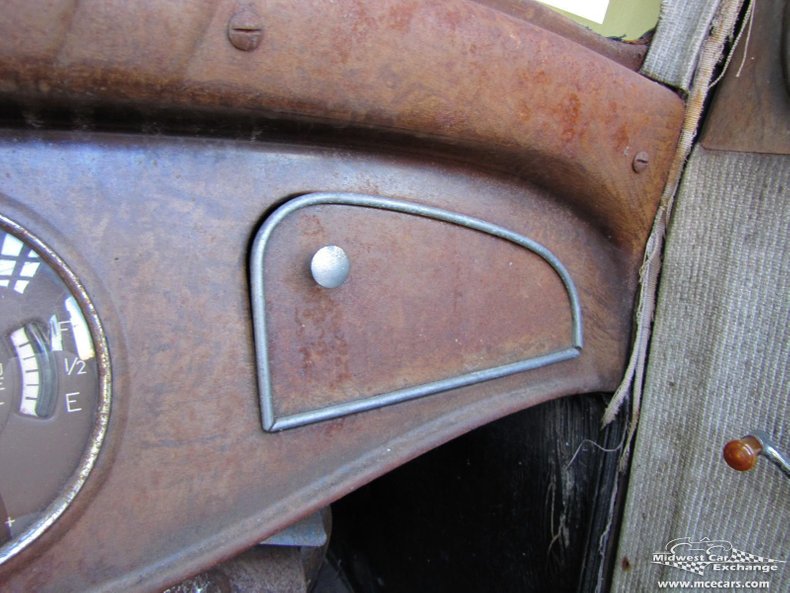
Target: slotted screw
245, 29
641, 160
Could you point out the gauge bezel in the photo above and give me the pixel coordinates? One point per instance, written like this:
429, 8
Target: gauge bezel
91, 452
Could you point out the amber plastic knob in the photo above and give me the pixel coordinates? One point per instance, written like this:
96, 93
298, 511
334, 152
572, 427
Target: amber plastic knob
742, 454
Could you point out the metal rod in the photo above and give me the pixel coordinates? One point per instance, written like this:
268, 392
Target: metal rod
272, 423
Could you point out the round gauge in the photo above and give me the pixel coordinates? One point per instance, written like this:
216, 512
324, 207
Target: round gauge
54, 387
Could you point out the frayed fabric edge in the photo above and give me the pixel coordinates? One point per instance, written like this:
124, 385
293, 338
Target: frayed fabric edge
631, 387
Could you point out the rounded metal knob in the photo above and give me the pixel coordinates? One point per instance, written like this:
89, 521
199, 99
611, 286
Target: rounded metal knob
330, 266
742, 454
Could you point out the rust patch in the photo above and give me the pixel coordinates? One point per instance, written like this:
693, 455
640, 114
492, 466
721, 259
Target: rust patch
621, 139
401, 15
569, 117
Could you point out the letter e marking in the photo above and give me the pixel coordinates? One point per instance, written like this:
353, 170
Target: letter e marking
72, 403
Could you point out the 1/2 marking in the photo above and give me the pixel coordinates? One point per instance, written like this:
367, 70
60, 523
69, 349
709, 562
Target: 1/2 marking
72, 403
2, 379
75, 367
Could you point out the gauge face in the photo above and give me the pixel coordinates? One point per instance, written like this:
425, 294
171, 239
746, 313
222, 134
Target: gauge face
54, 388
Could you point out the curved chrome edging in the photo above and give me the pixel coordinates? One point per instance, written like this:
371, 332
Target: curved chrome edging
271, 423
88, 460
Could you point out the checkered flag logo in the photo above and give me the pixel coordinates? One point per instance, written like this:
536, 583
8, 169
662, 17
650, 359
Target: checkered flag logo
741, 556
696, 556
697, 566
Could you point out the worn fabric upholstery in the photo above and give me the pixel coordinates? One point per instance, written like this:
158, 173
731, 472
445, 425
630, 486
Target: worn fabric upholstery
718, 367
682, 29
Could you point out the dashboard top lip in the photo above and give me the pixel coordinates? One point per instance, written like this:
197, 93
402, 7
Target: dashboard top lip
467, 76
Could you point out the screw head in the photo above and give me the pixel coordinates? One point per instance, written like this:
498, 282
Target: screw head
641, 160
245, 29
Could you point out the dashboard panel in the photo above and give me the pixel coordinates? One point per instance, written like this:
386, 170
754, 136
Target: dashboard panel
494, 226
159, 231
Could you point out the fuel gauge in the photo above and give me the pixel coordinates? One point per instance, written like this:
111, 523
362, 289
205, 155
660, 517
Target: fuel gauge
54, 387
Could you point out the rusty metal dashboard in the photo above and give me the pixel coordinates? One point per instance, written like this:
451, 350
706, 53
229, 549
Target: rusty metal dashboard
492, 183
